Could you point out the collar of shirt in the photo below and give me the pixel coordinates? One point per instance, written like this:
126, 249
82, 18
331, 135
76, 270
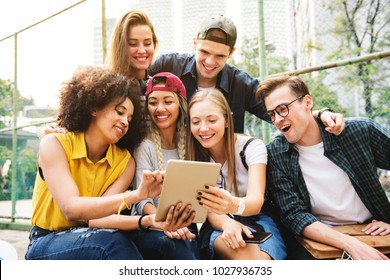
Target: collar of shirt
80, 151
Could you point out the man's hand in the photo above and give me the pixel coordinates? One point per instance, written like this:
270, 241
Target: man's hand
46, 129
334, 122
377, 228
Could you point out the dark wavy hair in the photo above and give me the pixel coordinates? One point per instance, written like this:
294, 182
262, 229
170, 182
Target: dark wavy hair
90, 89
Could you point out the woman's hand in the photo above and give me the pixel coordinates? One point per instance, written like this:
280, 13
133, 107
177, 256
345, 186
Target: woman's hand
151, 184
377, 228
176, 219
217, 200
182, 233
232, 234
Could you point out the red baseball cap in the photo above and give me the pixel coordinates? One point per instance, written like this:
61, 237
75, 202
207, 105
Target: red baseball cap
172, 83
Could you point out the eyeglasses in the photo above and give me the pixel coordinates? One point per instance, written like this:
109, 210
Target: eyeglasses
221, 182
282, 110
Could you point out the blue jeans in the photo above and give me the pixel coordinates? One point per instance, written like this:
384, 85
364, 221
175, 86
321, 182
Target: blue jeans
274, 246
81, 243
155, 245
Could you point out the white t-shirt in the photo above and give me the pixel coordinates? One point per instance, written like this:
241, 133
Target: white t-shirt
256, 152
333, 199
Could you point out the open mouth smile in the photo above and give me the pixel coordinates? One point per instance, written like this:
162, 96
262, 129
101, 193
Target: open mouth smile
285, 127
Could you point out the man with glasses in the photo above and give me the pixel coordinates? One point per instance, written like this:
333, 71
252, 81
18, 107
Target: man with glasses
319, 180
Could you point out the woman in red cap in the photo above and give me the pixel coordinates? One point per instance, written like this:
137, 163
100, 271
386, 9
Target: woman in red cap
166, 106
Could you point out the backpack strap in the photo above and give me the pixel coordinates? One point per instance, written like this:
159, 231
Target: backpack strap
242, 153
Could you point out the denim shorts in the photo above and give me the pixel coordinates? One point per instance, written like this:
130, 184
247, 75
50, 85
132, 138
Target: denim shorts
273, 246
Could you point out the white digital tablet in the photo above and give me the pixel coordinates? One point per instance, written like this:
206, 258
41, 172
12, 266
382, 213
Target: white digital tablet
182, 180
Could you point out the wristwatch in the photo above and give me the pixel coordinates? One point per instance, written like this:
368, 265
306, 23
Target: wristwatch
321, 111
241, 206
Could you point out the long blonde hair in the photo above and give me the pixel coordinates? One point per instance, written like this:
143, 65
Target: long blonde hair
195, 151
180, 134
117, 58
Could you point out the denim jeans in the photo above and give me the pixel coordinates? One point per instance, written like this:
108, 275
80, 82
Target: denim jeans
155, 245
81, 243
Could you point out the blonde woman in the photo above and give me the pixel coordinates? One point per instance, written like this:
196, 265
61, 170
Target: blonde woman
234, 205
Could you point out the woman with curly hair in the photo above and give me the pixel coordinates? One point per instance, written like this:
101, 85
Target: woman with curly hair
84, 174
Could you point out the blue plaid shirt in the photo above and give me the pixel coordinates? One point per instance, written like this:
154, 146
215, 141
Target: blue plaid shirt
359, 150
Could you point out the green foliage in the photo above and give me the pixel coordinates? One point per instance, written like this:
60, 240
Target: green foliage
249, 59
322, 94
5, 154
362, 27
29, 158
6, 99
26, 171
6, 90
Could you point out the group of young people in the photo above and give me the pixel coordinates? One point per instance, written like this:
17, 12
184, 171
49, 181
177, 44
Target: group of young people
192, 107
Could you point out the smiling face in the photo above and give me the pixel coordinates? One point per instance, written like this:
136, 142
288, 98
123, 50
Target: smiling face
297, 125
211, 57
208, 124
113, 120
164, 109
140, 48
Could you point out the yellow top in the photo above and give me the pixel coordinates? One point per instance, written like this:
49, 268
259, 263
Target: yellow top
91, 179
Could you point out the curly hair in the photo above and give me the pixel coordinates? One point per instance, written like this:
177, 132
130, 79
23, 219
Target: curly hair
90, 89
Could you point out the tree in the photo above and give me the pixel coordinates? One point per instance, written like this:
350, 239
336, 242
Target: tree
362, 27
249, 58
6, 100
249, 61
322, 94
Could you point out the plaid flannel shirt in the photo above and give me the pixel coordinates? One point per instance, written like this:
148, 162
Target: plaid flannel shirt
359, 150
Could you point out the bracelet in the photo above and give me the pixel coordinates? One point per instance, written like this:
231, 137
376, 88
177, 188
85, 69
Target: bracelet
139, 223
124, 204
124, 201
321, 111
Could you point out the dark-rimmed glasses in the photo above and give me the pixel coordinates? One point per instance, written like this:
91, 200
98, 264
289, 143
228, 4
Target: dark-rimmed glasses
282, 110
